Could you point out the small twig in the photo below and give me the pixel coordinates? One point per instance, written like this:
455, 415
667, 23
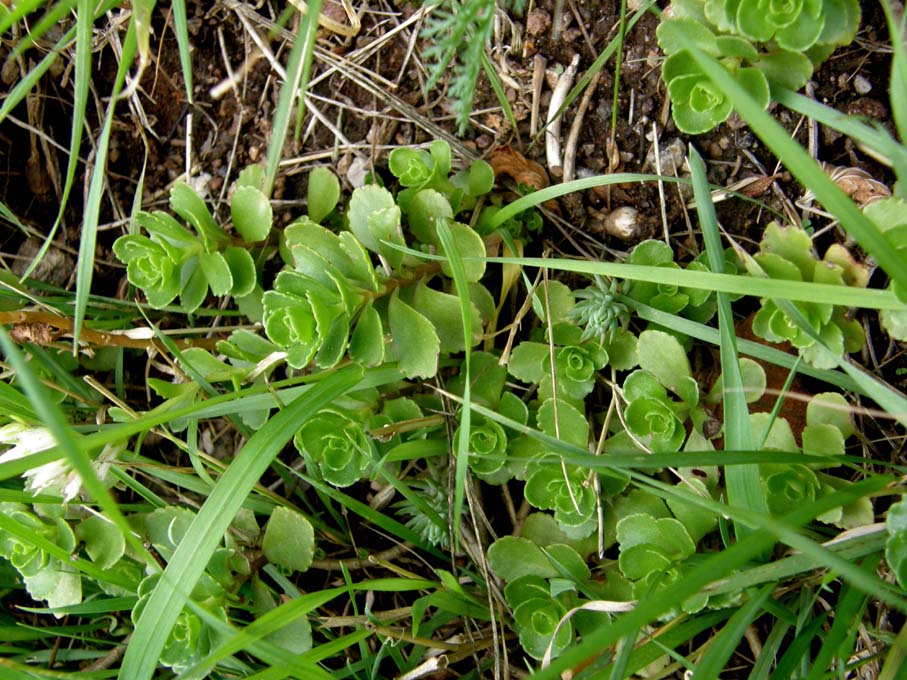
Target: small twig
555, 116
110, 658
576, 128
43, 328
357, 563
661, 186
539, 63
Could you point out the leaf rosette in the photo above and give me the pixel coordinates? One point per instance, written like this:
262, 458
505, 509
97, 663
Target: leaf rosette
787, 253
487, 446
698, 103
651, 415
565, 489
537, 614
788, 486
289, 322
795, 25
151, 266
337, 445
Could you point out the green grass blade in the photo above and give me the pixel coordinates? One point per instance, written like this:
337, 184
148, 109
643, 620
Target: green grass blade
798, 648
92, 212
212, 521
81, 80
742, 284
898, 87
848, 615
723, 645
462, 443
876, 138
498, 88
770, 649
753, 349
744, 485
180, 23
52, 17
804, 168
299, 66
897, 658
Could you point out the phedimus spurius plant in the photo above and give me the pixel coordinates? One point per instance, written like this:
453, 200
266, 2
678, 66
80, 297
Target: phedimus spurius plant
758, 42
582, 412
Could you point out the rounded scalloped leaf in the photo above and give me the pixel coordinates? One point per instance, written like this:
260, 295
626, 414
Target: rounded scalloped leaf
559, 299
854, 273
481, 178
471, 248
365, 201
557, 418
895, 322
802, 33
842, 20
788, 69
822, 440
188, 204
415, 340
565, 558
639, 561
217, 272
662, 355
698, 104
512, 557
323, 193
367, 341
422, 213
251, 213
667, 534
289, 540
780, 436
896, 526
242, 269
674, 34
193, 285
793, 244
830, 408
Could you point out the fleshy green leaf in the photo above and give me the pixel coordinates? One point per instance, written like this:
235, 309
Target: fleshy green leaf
104, 542
251, 213
289, 540
323, 193
242, 269
367, 340
512, 557
896, 544
471, 248
217, 272
416, 342
189, 205
365, 202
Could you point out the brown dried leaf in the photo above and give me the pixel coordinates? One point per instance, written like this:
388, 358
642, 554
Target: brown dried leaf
38, 333
756, 186
508, 161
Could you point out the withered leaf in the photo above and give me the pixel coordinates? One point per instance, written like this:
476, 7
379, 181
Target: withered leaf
507, 161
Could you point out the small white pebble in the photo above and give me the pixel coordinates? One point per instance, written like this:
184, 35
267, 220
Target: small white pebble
622, 222
861, 85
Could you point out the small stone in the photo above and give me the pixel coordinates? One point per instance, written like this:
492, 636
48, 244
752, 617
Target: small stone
861, 85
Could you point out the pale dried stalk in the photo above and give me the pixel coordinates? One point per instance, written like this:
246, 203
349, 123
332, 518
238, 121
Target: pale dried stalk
553, 129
